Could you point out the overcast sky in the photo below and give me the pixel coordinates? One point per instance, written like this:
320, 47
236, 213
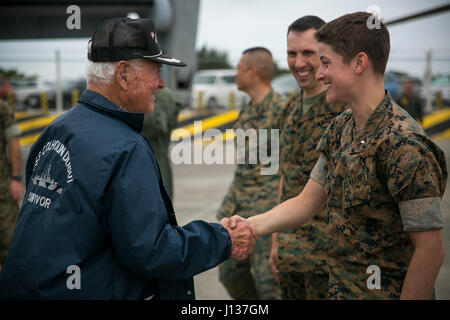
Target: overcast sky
234, 25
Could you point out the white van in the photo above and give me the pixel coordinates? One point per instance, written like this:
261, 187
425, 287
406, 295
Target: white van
216, 88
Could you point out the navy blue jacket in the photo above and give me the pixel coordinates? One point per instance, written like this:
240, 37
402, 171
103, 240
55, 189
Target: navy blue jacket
95, 201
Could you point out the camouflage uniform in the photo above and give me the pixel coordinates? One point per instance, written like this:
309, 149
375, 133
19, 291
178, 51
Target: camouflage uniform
157, 128
382, 182
302, 252
252, 193
8, 207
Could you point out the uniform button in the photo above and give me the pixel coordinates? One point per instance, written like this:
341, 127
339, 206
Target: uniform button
189, 292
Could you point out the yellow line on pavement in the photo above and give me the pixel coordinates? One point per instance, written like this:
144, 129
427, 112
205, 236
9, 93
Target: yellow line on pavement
29, 140
36, 123
23, 114
208, 123
442, 135
435, 118
186, 115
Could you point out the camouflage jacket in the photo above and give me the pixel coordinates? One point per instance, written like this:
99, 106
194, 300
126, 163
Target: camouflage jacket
250, 192
8, 129
303, 249
381, 182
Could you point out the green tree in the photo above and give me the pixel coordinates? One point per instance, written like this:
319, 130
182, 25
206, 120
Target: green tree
277, 70
14, 74
212, 59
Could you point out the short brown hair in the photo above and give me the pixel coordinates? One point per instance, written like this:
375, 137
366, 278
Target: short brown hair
350, 34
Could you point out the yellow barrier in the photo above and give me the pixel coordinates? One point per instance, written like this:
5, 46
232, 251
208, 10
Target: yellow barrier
232, 100
44, 102
75, 94
200, 104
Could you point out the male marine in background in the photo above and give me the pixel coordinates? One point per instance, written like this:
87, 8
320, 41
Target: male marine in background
250, 192
299, 255
96, 221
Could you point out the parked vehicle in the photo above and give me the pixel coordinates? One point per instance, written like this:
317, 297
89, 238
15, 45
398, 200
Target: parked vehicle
29, 92
215, 88
285, 84
67, 87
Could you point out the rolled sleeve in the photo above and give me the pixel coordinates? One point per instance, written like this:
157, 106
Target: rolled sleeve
421, 214
416, 180
12, 131
319, 173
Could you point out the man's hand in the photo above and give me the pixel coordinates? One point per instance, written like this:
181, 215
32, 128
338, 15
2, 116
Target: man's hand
233, 221
273, 257
16, 189
242, 236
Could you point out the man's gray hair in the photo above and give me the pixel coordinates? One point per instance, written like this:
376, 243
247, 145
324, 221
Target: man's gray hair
100, 71
104, 71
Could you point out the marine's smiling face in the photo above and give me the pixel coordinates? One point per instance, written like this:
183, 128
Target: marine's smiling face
303, 58
336, 75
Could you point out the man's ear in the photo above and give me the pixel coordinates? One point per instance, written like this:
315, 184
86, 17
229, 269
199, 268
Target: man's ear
121, 74
253, 72
360, 62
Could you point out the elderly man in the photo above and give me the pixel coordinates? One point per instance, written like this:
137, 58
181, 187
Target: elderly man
96, 221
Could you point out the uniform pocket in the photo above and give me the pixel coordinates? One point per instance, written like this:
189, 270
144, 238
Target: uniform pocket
356, 191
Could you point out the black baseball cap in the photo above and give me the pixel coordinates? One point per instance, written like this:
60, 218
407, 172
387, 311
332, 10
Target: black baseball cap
124, 39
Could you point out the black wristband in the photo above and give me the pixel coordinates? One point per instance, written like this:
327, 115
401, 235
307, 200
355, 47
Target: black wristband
18, 178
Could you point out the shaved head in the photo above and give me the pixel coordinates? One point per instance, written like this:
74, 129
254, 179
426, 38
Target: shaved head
261, 59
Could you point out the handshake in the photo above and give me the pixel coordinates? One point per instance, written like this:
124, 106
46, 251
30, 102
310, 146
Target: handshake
242, 235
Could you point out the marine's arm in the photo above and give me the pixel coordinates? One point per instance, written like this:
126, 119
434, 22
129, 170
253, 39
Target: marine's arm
416, 180
295, 211
425, 263
291, 213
